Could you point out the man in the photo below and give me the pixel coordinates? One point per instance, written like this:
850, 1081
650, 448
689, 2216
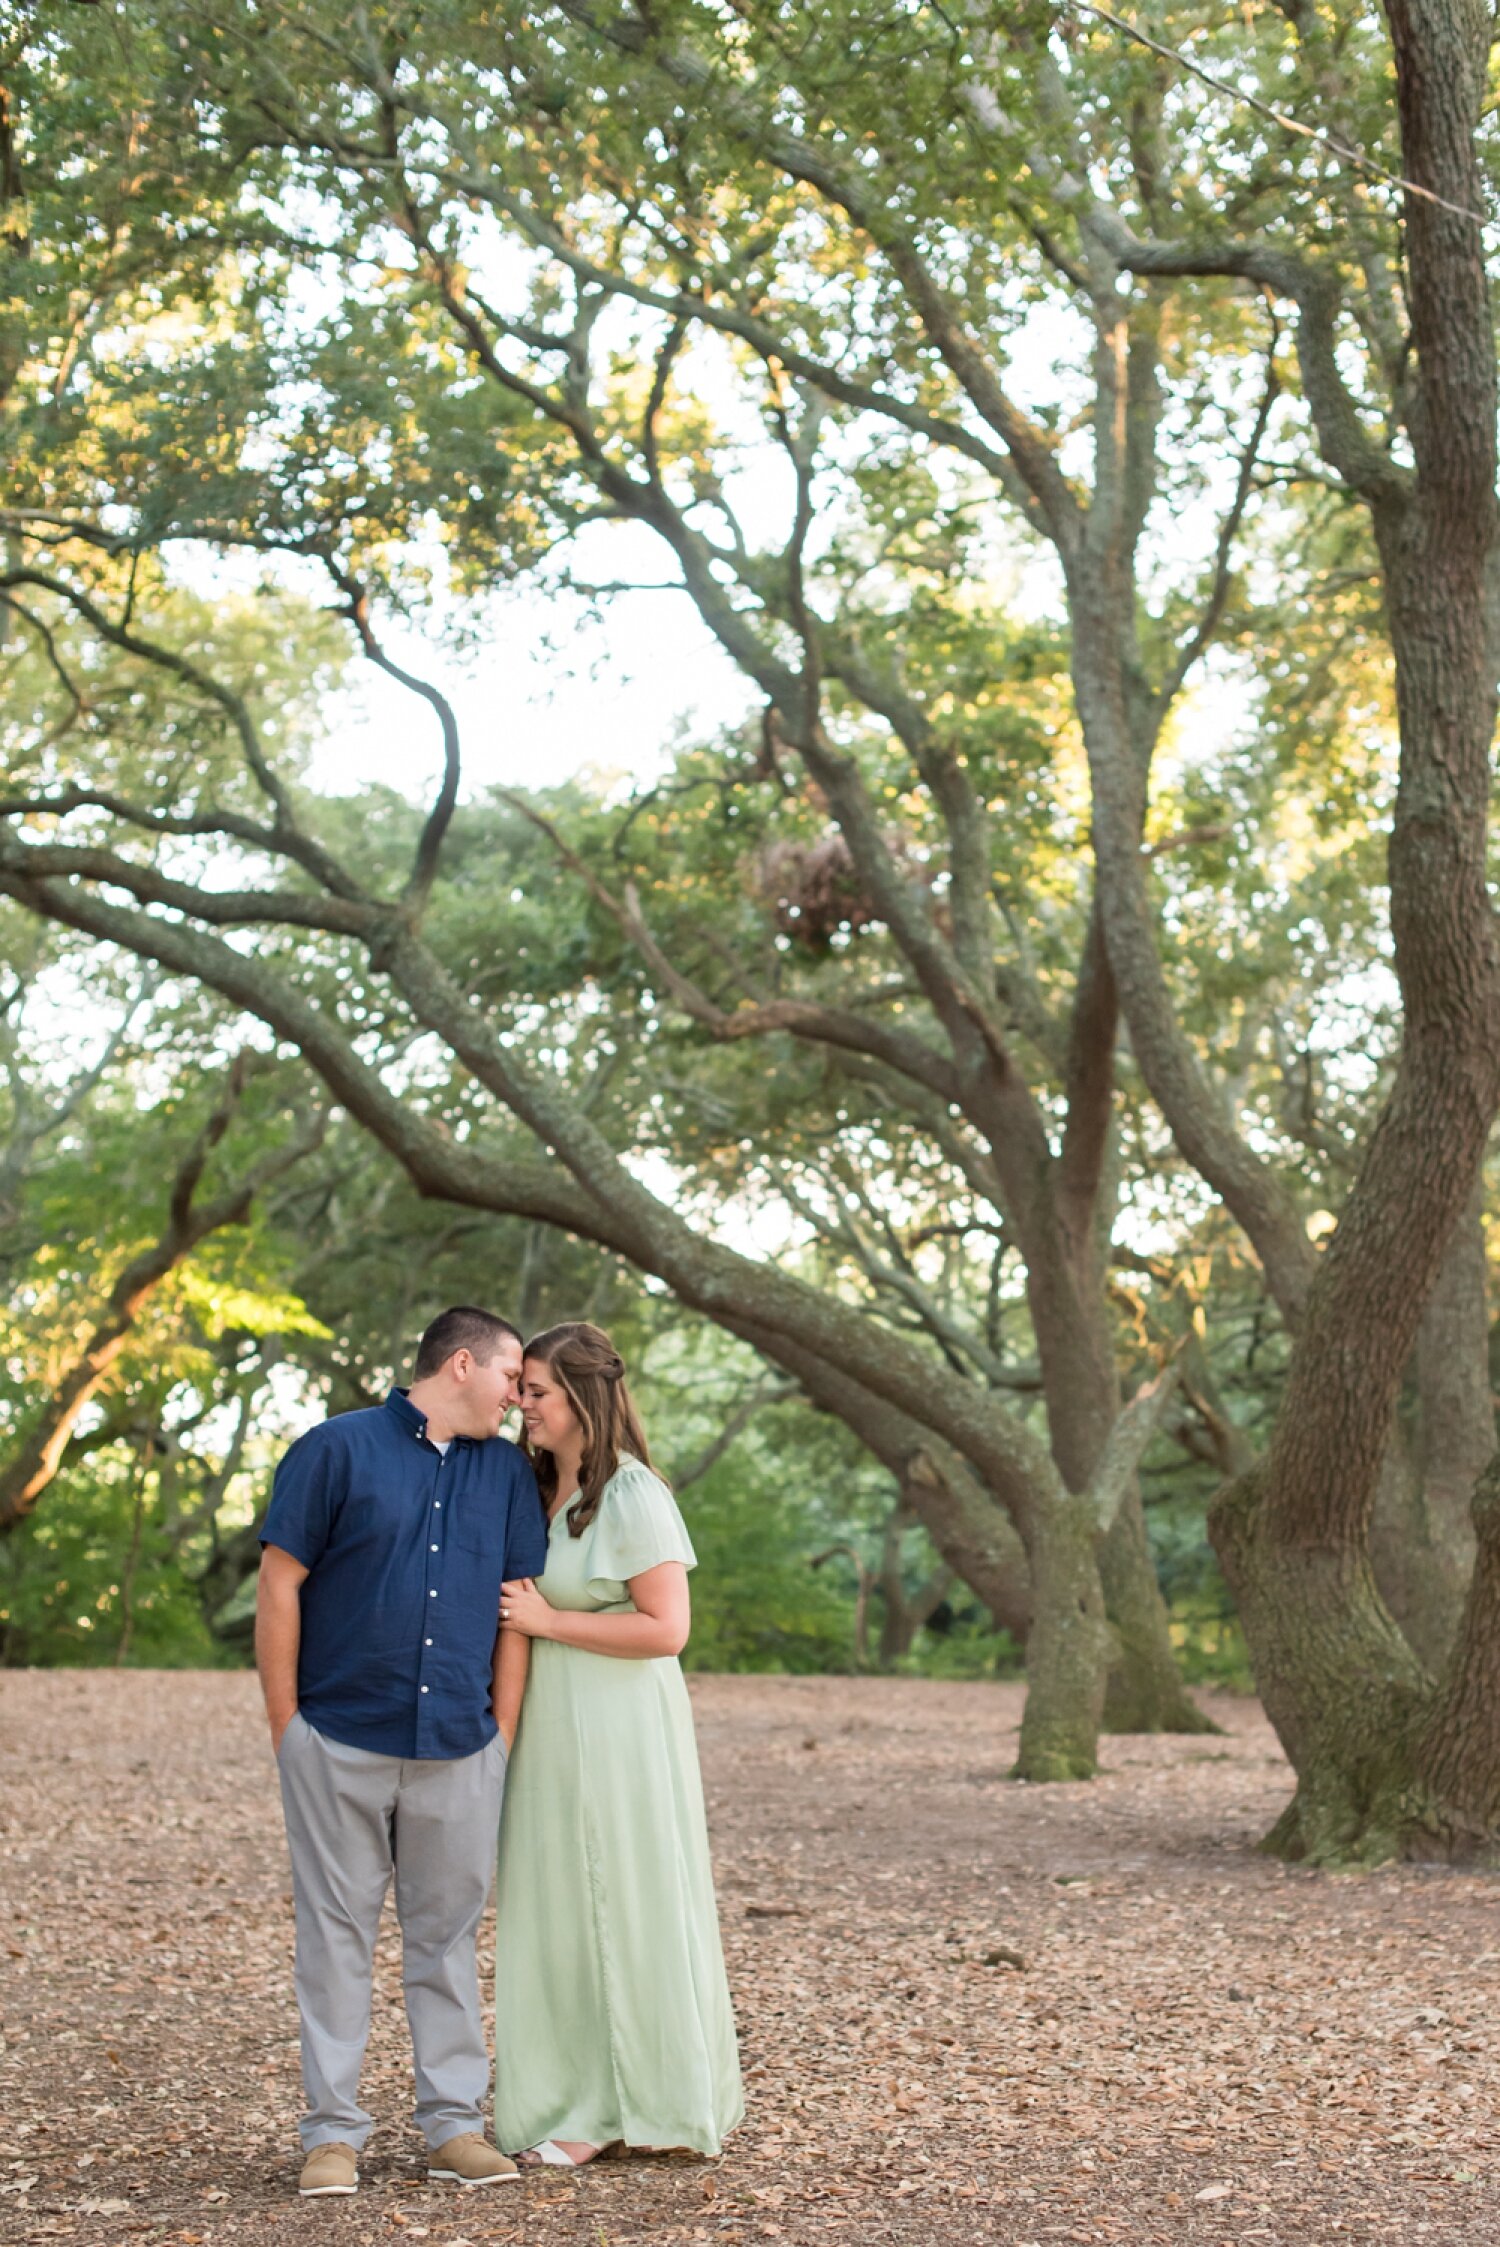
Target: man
393, 1701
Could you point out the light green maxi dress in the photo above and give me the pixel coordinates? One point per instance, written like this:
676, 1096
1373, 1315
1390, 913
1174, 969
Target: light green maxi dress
612, 2012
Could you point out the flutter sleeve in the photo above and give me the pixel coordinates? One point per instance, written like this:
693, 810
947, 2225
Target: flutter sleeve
638, 1526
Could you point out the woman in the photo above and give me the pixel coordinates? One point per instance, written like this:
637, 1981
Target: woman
612, 2018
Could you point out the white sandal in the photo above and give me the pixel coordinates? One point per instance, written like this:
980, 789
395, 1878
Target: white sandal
550, 2155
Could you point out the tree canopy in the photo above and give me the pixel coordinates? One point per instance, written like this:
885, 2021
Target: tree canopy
1090, 473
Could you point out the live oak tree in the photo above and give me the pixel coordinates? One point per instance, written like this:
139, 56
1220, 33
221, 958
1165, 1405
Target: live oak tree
893, 1389
866, 215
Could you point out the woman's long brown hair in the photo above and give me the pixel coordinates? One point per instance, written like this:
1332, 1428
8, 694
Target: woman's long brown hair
591, 1374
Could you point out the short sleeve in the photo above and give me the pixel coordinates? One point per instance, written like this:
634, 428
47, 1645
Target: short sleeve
305, 1496
638, 1526
526, 1524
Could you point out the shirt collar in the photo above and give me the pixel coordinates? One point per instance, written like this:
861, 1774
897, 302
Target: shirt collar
406, 1412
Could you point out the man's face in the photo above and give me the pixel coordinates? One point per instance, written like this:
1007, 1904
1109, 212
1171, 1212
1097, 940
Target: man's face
488, 1391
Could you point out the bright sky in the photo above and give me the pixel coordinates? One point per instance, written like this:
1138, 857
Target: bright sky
530, 713
553, 688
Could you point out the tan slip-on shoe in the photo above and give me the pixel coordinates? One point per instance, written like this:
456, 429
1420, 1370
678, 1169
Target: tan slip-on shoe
470, 2159
329, 2168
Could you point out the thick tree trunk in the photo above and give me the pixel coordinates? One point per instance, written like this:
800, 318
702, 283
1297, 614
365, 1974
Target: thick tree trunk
1335, 1676
1457, 1813
1384, 1763
1455, 1441
1422, 1532
1398, 1553
1067, 1654
1346, 1691
1145, 1690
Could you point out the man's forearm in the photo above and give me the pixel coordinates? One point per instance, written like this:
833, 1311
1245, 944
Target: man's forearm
278, 1639
512, 1662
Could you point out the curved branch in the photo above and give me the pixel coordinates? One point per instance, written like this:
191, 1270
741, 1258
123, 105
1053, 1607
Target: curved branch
212, 821
435, 828
800, 1018
1365, 466
861, 197
77, 707
763, 339
603, 1202
293, 842
36, 1462
224, 908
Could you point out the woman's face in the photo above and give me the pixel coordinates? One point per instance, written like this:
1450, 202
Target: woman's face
550, 1420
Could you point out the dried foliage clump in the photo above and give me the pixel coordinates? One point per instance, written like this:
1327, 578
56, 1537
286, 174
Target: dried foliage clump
813, 890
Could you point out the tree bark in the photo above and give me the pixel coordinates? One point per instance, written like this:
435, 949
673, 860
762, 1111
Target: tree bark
1067, 1654
1455, 1439
1458, 1812
1421, 1531
1144, 1691
1335, 1676
1384, 1764
971, 1529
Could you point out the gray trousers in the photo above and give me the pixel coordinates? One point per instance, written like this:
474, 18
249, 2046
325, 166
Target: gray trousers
352, 1819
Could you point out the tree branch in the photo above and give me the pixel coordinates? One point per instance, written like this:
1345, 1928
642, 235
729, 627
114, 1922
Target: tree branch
1128, 1441
800, 1018
37, 1459
292, 841
430, 844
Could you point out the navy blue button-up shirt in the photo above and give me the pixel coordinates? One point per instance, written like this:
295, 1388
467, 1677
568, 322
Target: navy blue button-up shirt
406, 1548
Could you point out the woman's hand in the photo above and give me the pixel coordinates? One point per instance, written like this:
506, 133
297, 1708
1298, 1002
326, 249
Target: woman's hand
523, 1609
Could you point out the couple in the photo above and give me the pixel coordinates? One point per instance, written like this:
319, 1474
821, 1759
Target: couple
396, 1541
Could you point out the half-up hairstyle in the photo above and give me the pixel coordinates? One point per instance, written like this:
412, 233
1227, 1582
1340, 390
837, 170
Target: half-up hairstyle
590, 1372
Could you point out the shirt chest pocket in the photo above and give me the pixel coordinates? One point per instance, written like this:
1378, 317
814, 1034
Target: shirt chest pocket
385, 1520
478, 1530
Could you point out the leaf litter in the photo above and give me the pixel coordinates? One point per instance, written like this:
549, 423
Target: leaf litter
970, 2011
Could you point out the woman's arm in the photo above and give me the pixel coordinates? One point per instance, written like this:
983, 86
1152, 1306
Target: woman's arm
658, 1626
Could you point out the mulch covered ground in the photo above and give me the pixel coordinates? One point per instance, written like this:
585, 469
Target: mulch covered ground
970, 2010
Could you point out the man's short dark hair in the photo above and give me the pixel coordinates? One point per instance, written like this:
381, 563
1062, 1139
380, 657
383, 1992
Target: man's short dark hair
461, 1328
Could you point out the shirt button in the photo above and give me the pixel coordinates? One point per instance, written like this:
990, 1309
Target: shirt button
432, 1548
437, 1505
426, 1642
432, 1595
424, 1689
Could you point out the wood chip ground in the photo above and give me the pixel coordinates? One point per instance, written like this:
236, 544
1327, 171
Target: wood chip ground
1198, 2046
